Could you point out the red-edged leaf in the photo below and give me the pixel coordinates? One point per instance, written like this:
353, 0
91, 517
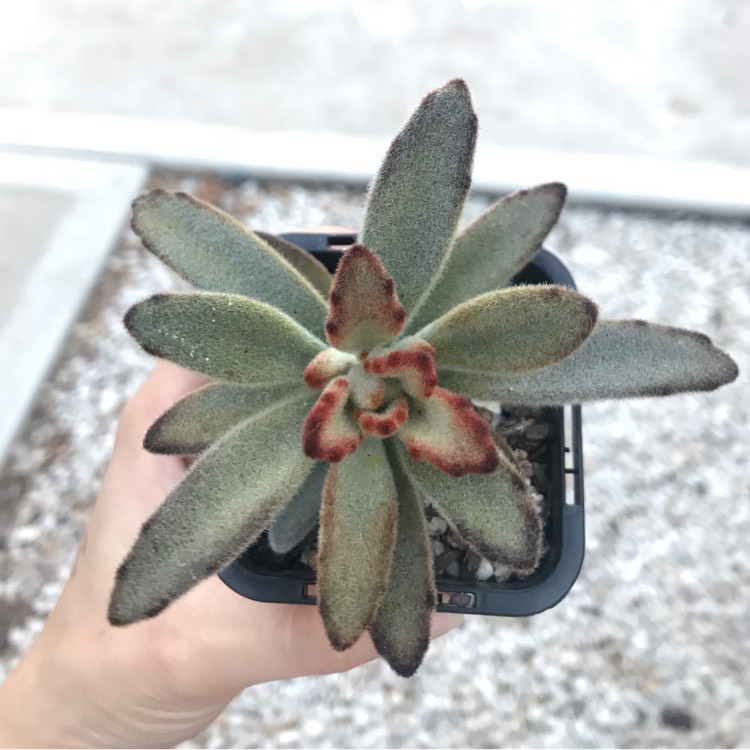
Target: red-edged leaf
412, 361
386, 423
446, 431
365, 310
326, 365
330, 433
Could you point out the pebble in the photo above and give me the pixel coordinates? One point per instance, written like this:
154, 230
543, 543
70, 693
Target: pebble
484, 571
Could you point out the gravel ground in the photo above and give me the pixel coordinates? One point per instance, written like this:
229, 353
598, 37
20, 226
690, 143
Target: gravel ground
650, 648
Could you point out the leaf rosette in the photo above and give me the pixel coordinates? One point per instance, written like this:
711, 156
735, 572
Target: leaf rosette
347, 401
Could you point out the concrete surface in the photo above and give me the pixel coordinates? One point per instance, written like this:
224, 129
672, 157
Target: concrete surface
663, 78
58, 220
651, 647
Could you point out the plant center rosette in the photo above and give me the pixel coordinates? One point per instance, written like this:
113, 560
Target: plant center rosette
377, 385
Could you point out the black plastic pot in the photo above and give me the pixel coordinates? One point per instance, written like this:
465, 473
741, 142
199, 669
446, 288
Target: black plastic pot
548, 585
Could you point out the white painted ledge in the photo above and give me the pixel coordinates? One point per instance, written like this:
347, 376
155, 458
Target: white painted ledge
619, 181
98, 197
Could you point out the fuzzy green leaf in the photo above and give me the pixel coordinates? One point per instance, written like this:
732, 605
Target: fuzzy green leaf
493, 249
416, 198
493, 512
445, 430
216, 253
306, 263
401, 630
512, 330
224, 336
227, 498
299, 518
621, 359
201, 418
357, 535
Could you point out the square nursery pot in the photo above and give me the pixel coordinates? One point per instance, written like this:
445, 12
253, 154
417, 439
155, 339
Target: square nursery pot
261, 575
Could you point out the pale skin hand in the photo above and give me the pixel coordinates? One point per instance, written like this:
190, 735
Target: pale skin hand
158, 682
164, 680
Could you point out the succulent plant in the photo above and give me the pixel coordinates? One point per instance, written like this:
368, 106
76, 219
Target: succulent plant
345, 400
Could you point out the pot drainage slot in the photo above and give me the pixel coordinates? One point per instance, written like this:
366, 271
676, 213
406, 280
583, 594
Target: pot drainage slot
460, 599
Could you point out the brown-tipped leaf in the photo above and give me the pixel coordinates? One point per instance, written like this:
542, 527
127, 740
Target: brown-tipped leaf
216, 253
401, 629
415, 201
325, 366
365, 310
493, 249
357, 536
224, 336
306, 263
385, 423
621, 359
512, 330
445, 430
301, 515
493, 512
411, 361
330, 432
227, 498
201, 418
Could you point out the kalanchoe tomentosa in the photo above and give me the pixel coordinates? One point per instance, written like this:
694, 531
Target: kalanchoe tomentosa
418, 321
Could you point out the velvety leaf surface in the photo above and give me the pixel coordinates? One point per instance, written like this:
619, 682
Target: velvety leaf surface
416, 198
330, 432
299, 518
216, 253
224, 336
493, 512
621, 359
365, 310
401, 629
357, 535
326, 366
493, 249
304, 262
386, 422
411, 361
445, 430
512, 330
367, 391
201, 418
225, 501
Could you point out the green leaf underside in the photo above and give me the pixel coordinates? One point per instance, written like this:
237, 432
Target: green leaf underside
304, 262
621, 359
224, 336
300, 517
493, 512
512, 330
493, 249
401, 629
415, 201
357, 535
201, 418
225, 501
216, 253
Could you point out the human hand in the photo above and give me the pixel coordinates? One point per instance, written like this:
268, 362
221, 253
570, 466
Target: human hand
161, 681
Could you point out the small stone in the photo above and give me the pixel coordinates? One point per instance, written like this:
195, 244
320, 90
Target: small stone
502, 572
484, 571
677, 717
453, 570
437, 547
472, 561
437, 525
